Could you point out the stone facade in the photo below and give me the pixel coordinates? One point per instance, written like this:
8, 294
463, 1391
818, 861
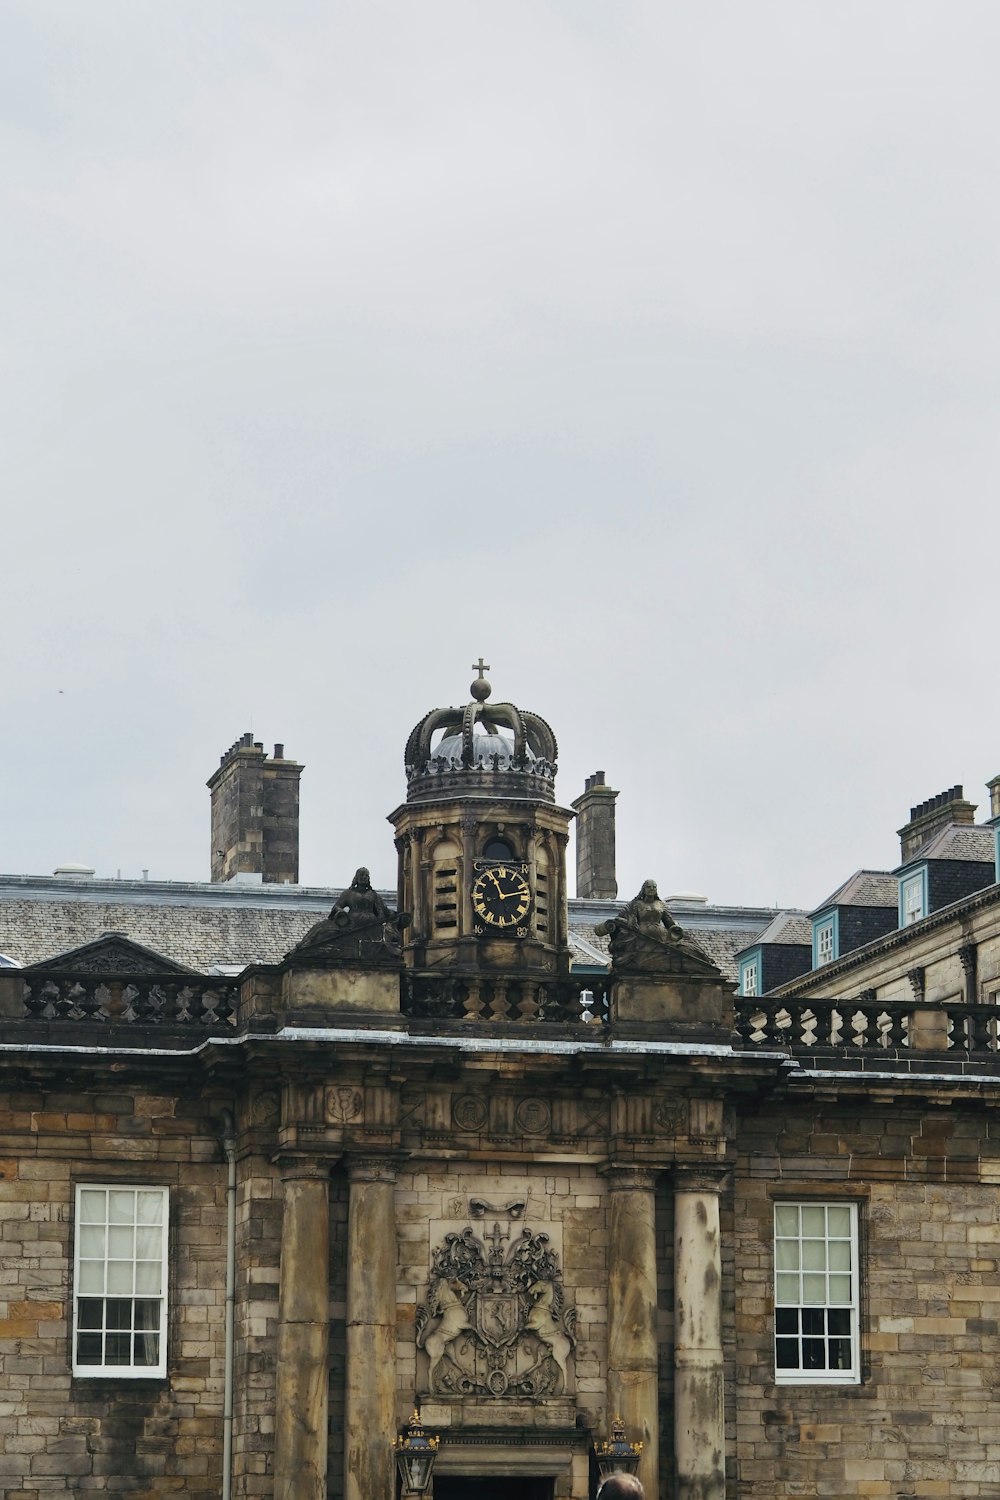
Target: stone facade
528, 1211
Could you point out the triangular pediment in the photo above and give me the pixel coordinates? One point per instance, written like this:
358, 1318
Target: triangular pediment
112, 954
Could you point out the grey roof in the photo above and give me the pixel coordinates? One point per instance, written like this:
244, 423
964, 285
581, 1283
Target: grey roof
225, 927
864, 888
789, 927
958, 841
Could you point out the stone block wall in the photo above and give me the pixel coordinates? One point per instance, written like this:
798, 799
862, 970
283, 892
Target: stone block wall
133, 1437
923, 1420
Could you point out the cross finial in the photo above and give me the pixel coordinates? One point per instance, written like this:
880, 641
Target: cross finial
481, 689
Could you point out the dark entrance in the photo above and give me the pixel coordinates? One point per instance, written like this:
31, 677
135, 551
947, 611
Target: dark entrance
516, 1487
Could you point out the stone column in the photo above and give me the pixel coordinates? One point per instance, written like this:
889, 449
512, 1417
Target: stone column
699, 1391
301, 1396
370, 1396
633, 1363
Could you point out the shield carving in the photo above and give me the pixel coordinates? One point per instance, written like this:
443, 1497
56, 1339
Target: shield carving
498, 1317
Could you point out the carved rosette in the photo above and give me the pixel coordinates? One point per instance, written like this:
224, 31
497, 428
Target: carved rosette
494, 1321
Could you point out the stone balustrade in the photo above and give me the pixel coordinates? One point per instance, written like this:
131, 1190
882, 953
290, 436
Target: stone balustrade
875, 1026
207, 1002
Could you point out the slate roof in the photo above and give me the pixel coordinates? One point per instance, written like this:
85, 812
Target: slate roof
864, 888
788, 927
957, 841
222, 928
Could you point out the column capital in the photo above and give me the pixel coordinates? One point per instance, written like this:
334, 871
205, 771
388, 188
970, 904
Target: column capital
698, 1177
370, 1167
305, 1168
629, 1178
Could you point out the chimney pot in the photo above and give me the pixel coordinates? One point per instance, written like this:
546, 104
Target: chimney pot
595, 840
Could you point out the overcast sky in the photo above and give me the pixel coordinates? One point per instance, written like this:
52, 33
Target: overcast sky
650, 349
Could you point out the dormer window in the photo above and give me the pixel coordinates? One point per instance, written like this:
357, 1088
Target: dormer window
750, 976
912, 898
825, 940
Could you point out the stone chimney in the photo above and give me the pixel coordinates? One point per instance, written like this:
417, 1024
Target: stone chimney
255, 815
595, 840
930, 817
993, 787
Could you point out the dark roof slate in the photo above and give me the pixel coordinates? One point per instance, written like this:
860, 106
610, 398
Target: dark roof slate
864, 888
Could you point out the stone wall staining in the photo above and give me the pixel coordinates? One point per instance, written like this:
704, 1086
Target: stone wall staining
301, 1379
632, 1318
370, 1406
699, 1381
923, 1420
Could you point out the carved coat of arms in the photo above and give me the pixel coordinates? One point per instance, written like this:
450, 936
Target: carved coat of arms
494, 1321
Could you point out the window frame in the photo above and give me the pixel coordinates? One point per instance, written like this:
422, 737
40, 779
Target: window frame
829, 922
84, 1370
799, 1375
750, 965
915, 880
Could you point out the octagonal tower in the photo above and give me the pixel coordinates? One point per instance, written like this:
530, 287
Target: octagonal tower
482, 844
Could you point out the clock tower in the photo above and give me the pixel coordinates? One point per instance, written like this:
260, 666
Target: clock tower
482, 861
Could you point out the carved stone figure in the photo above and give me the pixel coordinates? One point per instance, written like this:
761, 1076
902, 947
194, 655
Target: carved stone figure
493, 1322
645, 937
360, 928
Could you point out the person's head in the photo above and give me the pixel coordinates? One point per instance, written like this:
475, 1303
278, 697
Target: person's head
362, 880
649, 891
621, 1487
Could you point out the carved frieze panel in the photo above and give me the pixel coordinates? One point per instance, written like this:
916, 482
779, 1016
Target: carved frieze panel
343, 1104
494, 1321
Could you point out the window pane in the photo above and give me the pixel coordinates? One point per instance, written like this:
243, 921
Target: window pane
839, 1253
840, 1289
787, 1287
93, 1204
786, 1320
118, 1349
91, 1277
120, 1277
93, 1241
147, 1276
839, 1221
814, 1354
839, 1320
121, 1206
786, 1219
786, 1255
814, 1220
147, 1312
814, 1255
89, 1311
149, 1208
813, 1320
121, 1244
148, 1243
118, 1312
814, 1289
840, 1354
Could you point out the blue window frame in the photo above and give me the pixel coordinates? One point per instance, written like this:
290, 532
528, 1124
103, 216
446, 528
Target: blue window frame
751, 974
826, 938
913, 896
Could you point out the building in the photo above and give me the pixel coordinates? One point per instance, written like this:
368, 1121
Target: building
274, 1167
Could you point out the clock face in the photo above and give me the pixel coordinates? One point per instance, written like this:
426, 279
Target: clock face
501, 899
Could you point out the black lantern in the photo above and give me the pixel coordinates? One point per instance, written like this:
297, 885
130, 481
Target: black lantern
415, 1455
616, 1455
